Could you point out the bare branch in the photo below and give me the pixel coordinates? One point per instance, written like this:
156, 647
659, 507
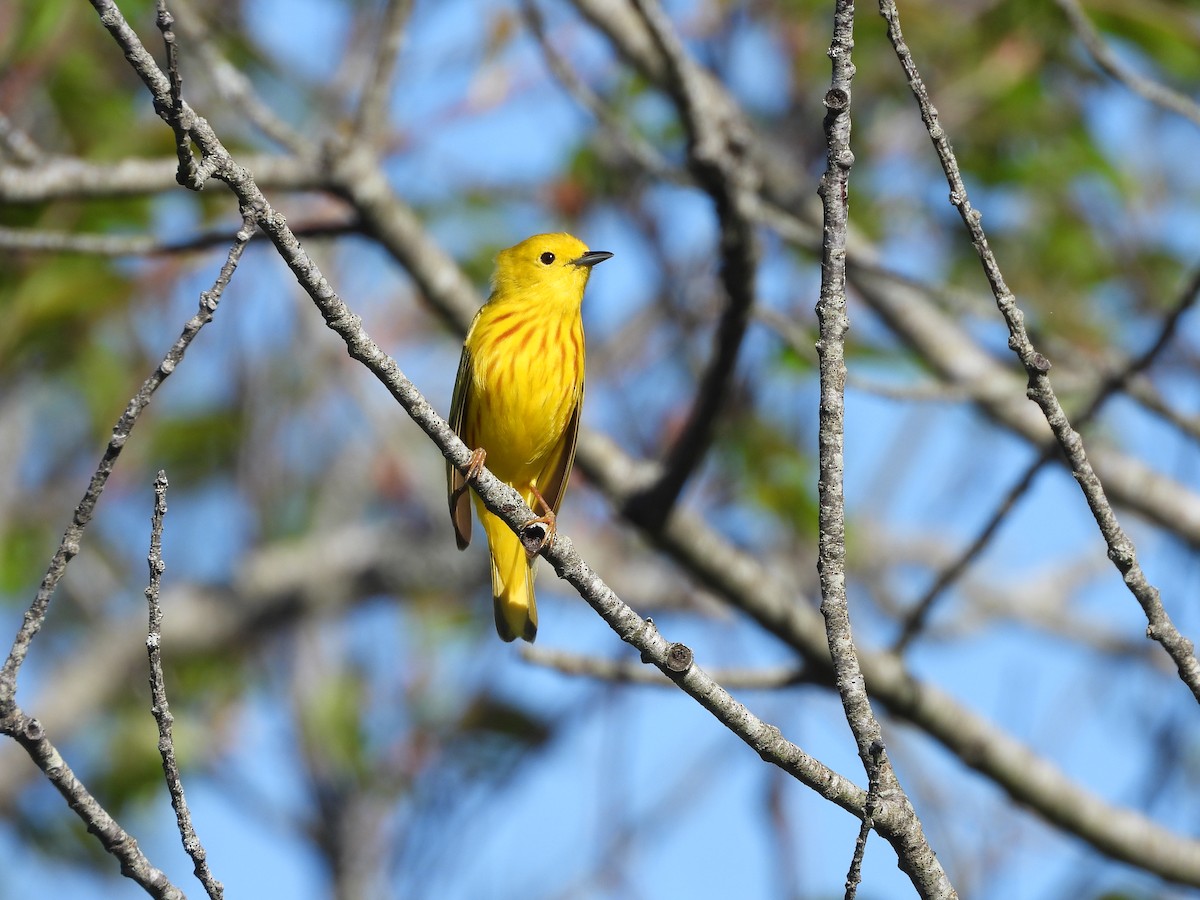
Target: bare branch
119, 844
878, 761
919, 614
916, 857
190, 174
158, 692
1120, 548
69, 546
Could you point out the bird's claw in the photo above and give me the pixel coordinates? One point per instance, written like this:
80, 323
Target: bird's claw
474, 467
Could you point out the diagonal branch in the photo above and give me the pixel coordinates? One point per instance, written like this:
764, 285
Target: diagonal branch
1120, 548
915, 621
28, 732
69, 545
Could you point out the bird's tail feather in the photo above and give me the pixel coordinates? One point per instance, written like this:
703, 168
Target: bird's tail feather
512, 582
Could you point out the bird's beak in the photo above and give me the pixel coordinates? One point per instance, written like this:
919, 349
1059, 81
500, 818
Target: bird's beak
591, 258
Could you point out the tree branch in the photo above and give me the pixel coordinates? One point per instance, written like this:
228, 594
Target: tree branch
624, 671
69, 545
67, 178
118, 843
158, 693
1037, 367
916, 857
915, 621
117, 245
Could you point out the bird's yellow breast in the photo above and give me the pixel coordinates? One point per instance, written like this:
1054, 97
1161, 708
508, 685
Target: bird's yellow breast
527, 373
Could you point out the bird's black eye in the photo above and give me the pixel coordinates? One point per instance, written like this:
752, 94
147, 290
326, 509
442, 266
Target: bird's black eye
546, 258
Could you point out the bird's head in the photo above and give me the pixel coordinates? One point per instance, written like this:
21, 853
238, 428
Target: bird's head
549, 267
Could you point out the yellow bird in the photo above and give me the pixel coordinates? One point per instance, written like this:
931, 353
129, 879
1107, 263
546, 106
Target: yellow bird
517, 401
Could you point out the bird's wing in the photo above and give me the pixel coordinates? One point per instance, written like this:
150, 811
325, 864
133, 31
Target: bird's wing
459, 496
553, 483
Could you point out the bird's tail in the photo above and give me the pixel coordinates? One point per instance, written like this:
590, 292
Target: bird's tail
512, 581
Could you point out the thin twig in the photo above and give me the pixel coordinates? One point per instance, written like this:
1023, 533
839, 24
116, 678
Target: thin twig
190, 174
69, 545
854, 875
914, 622
158, 693
1158, 94
118, 843
1120, 548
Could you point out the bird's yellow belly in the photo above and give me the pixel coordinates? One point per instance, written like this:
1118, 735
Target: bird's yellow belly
527, 413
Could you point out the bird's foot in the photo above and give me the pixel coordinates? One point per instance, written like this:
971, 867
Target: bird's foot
474, 467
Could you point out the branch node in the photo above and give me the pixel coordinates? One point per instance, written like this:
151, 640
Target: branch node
33, 730
679, 658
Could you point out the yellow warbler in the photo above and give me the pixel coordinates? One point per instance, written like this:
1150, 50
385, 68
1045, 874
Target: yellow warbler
517, 401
